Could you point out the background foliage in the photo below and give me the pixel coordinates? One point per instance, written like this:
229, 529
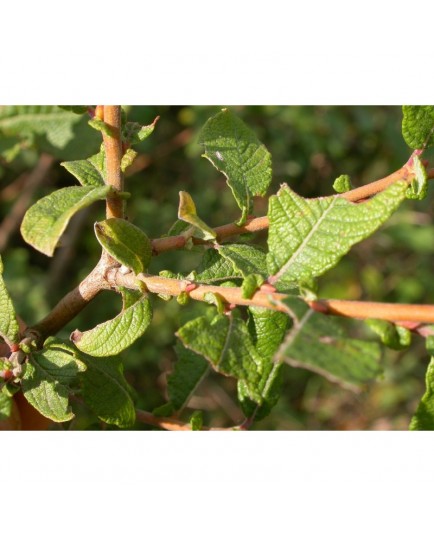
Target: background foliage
310, 147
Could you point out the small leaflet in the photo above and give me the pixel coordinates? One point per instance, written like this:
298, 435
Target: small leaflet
187, 212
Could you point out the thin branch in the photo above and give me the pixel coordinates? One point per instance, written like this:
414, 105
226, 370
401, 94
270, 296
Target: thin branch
160, 245
113, 152
12, 221
393, 312
173, 425
72, 303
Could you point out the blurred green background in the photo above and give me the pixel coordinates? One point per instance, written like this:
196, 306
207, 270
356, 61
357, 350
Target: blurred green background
310, 147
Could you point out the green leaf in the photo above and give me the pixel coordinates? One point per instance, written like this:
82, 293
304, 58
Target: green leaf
342, 184
235, 151
250, 285
47, 379
418, 126
98, 124
106, 391
45, 221
391, 335
187, 212
419, 185
307, 237
133, 133
189, 371
225, 342
114, 336
214, 269
267, 329
89, 172
52, 121
245, 258
196, 421
128, 244
9, 328
318, 343
5, 405
423, 419
76, 109
127, 159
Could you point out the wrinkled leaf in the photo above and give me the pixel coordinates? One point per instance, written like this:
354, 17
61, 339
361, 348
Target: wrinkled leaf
133, 133
46, 382
189, 371
125, 242
187, 212
342, 184
318, 343
267, 329
9, 328
235, 151
106, 391
114, 336
225, 342
246, 259
45, 221
53, 121
418, 126
307, 237
214, 269
88, 172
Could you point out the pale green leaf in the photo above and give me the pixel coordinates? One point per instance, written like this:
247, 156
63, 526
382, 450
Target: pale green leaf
342, 184
9, 328
307, 237
106, 392
423, 419
235, 151
189, 371
133, 133
419, 185
53, 121
250, 285
225, 342
128, 244
45, 221
196, 421
418, 126
47, 379
391, 335
128, 158
115, 335
88, 172
187, 212
98, 124
318, 343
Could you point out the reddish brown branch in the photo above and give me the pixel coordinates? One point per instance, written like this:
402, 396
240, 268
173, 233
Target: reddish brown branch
160, 245
113, 152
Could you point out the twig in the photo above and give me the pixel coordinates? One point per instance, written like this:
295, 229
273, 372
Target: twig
12, 221
113, 151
